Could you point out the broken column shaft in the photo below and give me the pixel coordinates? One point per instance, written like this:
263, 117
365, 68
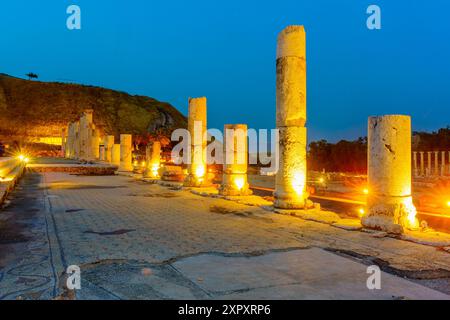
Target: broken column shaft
153, 159
235, 148
389, 203
126, 150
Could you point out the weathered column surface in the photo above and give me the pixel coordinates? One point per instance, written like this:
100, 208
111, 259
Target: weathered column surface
197, 175
115, 155
126, 150
389, 203
415, 163
85, 130
235, 150
436, 163
109, 143
442, 163
422, 166
95, 144
77, 143
429, 164
63, 142
153, 159
290, 186
69, 141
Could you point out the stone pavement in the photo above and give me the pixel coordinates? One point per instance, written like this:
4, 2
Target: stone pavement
134, 240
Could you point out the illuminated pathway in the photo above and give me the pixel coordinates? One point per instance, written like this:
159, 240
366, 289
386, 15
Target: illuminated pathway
137, 240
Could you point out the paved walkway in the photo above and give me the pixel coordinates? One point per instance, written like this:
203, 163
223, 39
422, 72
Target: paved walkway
134, 240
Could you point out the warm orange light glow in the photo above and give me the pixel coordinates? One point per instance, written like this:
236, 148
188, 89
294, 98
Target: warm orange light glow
361, 212
26, 160
321, 180
366, 191
143, 163
155, 168
135, 163
21, 157
200, 171
298, 183
411, 221
448, 203
239, 182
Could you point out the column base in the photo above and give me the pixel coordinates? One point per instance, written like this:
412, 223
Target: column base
230, 190
193, 181
292, 201
390, 214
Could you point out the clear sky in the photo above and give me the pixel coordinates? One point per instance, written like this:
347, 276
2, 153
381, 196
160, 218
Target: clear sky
225, 50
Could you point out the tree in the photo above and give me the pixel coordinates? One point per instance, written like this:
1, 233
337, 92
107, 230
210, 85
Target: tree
32, 75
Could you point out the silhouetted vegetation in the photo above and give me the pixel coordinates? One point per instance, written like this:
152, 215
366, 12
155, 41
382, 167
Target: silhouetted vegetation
32, 75
344, 156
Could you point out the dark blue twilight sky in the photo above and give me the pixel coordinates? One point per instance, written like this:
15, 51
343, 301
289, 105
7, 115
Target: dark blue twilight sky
225, 50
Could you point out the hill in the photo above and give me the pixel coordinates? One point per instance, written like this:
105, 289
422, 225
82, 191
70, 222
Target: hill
30, 110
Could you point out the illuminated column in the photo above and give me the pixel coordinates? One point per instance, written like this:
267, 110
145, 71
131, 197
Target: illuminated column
153, 159
290, 186
85, 135
422, 167
115, 154
389, 203
415, 163
95, 144
429, 164
109, 143
126, 150
69, 141
197, 129
442, 163
63, 142
77, 142
235, 148
436, 163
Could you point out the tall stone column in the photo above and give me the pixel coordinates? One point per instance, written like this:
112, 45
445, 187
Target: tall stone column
235, 148
115, 155
436, 163
95, 144
126, 151
429, 163
389, 203
415, 163
290, 186
442, 163
197, 175
77, 143
86, 122
109, 143
69, 141
422, 166
63, 142
153, 159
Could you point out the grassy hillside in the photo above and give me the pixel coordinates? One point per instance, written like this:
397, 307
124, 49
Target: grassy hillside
31, 109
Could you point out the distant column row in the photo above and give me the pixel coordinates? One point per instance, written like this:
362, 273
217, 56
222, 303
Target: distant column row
431, 163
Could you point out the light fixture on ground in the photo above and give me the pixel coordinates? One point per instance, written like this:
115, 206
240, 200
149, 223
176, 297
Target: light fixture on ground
290, 186
389, 203
234, 178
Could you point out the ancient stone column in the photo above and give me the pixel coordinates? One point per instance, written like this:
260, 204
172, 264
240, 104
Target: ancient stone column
152, 159
389, 203
197, 175
115, 155
415, 163
126, 151
63, 142
69, 141
442, 163
422, 166
109, 143
77, 143
290, 186
429, 164
235, 148
95, 145
436, 163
